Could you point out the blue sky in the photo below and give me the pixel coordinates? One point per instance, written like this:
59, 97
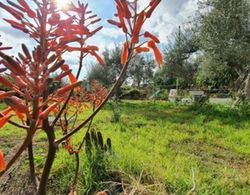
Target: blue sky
168, 16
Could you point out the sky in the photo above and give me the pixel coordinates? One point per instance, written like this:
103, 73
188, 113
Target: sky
164, 22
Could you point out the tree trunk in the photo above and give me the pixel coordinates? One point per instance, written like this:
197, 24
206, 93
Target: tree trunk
247, 87
31, 163
49, 161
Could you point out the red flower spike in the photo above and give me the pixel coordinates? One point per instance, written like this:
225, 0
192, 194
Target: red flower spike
46, 112
151, 36
13, 12
16, 6
22, 58
2, 69
30, 13
138, 26
11, 64
4, 95
2, 162
91, 47
120, 15
20, 115
6, 111
5, 48
15, 24
95, 21
93, 16
62, 75
72, 78
96, 30
18, 27
26, 52
54, 19
56, 66
118, 3
67, 88
37, 54
65, 67
51, 59
115, 23
17, 104
71, 49
142, 49
18, 81
157, 53
4, 120
99, 59
5, 82
124, 56
127, 13
153, 5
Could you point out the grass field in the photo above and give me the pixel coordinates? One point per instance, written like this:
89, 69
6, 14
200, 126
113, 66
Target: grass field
159, 148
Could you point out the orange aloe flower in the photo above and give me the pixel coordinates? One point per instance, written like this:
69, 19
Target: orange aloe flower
153, 4
5, 82
20, 115
2, 162
43, 115
67, 88
98, 58
4, 120
151, 36
115, 23
6, 111
142, 49
30, 13
72, 78
127, 13
17, 104
124, 55
12, 65
138, 26
4, 94
157, 53
62, 75
122, 22
18, 15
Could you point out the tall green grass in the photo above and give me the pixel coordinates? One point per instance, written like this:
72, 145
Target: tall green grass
161, 144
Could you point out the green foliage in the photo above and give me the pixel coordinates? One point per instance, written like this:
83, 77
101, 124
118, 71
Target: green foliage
161, 94
213, 53
224, 30
139, 72
97, 170
178, 63
165, 141
132, 93
107, 73
116, 112
213, 75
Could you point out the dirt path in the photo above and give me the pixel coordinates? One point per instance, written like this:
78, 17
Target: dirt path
16, 180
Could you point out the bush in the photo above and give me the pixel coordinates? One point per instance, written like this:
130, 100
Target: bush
132, 94
116, 112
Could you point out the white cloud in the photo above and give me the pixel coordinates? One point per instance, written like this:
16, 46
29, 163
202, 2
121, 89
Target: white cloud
111, 32
168, 16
